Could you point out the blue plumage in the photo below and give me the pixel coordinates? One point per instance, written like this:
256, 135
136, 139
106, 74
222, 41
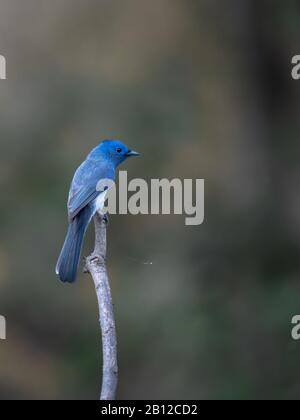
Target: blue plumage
101, 163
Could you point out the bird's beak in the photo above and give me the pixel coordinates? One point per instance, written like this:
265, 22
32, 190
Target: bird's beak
131, 153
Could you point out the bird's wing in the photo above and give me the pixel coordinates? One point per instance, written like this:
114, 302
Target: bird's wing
84, 184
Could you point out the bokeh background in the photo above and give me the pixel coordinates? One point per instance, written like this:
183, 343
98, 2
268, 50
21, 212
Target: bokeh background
202, 89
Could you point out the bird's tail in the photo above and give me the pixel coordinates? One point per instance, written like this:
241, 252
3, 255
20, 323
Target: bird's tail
68, 260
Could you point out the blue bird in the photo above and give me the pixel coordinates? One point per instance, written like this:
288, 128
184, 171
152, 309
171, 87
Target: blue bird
84, 200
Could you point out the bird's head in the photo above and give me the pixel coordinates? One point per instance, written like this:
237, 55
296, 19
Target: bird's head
115, 151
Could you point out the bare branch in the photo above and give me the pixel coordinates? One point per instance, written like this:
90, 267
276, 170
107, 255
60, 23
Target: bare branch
96, 266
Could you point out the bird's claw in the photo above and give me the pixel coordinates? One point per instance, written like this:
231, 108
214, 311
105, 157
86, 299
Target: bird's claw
105, 218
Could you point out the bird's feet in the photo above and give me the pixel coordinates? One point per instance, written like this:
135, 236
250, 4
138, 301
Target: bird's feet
105, 218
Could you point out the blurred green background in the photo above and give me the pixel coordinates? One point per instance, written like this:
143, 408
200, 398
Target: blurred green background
202, 89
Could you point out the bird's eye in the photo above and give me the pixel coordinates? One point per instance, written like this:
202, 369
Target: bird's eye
119, 150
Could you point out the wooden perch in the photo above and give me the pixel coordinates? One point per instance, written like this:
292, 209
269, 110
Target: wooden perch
95, 264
